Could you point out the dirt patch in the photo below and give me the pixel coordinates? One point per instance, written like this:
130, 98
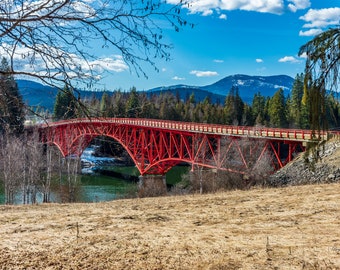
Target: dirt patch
283, 228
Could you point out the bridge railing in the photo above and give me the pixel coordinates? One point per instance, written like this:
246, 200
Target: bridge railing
274, 133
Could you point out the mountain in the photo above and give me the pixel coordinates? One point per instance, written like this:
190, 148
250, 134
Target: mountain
36, 94
250, 85
247, 85
185, 91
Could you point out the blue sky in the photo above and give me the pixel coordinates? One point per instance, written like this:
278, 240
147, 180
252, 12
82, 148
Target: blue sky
253, 37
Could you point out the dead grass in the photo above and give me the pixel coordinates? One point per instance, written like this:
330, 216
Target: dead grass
286, 228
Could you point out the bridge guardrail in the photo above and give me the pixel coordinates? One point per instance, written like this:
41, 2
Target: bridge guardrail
270, 133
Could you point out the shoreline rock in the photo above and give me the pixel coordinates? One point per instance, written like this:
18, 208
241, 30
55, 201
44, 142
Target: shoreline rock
300, 172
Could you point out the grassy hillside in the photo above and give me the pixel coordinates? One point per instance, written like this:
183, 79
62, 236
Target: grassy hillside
284, 228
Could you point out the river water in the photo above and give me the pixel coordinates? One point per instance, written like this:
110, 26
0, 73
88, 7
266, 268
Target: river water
97, 188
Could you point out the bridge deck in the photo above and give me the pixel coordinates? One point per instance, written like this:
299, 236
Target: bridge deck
253, 132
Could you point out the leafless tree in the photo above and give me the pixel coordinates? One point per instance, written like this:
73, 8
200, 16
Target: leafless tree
46, 183
70, 168
72, 174
246, 162
26, 168
56, 40
12, 166
36, 167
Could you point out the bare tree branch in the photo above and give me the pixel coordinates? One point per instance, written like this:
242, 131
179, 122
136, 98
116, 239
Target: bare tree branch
51, 39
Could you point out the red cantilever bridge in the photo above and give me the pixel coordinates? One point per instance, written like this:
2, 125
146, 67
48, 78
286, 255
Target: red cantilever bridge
157, 145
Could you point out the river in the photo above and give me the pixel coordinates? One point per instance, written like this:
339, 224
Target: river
95, 187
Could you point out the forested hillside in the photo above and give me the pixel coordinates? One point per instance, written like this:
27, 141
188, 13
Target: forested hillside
279, 110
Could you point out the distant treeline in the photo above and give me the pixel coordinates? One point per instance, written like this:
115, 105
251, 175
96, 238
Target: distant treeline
276, 111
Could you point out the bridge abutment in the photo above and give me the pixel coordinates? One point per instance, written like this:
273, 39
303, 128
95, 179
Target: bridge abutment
152, 185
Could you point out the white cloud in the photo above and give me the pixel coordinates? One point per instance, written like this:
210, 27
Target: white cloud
23, 56
83, 8
218, 61
200, 73
223, 16
40, 8
321, 17
207, 12
176, 78
270, 6
317, 19
259, 60
298, 4
207, 7
288, 59
310, 32
113, 63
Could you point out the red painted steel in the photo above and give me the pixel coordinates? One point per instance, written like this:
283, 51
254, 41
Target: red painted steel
157, 145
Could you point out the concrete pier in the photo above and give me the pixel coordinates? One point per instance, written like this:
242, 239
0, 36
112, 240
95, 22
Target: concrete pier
152, 185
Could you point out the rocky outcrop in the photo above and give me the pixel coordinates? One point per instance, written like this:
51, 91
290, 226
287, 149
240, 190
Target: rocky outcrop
307, 170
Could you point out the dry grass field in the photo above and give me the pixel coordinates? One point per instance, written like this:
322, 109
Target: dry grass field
284, 228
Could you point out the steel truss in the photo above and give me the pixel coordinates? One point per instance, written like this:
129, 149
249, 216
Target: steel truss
155, 148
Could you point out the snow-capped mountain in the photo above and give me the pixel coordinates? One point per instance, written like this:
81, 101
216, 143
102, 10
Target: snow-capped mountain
266, 85
247, 85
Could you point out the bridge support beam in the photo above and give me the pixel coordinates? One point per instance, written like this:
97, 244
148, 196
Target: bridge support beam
152, 185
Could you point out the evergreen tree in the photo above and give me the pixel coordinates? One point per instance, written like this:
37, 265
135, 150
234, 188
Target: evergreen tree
188, 113
277, 111
148, 109
207, 110
104, 105
247, 119
65, 106
132, 104
305, 109
12, 115
258, 109
180, 110
168, 107
295, 106
192, 99
233, 107
289, 117
321, 73
58, 110
118, 104
332, 111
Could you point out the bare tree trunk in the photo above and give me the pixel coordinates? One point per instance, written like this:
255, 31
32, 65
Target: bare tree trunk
35, 164
72, 177
12, 166
24, 188
47, 183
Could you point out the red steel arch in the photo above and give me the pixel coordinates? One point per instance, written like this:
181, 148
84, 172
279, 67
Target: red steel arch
157, 145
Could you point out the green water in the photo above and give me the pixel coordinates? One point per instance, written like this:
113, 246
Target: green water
97, 188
